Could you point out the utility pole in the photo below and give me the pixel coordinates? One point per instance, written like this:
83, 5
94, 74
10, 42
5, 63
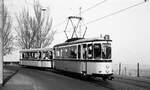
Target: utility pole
119, 68
1, 39
138, 70
125, 71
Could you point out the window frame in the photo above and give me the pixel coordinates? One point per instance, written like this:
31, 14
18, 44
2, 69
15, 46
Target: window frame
109, 45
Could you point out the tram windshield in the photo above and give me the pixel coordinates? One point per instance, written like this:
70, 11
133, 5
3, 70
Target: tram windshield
97, 51
106, 51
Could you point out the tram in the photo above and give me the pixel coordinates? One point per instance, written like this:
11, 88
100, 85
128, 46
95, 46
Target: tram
37, 57
88, 57
84, 56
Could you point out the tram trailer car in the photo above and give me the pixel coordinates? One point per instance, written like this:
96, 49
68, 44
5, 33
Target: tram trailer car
37, 57
88, 57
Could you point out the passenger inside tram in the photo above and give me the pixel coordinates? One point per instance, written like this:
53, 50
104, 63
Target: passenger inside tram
25, 55
37, 55
73, 53
44, 56
90, 51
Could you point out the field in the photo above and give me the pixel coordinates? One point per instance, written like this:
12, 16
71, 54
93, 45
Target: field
131, 70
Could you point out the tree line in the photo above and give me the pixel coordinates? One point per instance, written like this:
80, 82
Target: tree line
33, 30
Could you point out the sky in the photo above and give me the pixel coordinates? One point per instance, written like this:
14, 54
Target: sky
129, 29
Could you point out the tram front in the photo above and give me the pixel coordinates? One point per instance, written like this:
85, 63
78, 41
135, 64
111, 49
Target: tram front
102, 65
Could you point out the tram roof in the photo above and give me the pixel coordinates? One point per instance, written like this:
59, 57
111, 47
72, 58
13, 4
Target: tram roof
36, 49
82, 40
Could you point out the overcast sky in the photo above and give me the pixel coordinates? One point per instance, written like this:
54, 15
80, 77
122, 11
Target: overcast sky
129, 30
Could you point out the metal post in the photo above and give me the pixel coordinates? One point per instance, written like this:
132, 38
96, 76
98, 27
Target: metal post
138, 74
125, 71
119, 68
1, 40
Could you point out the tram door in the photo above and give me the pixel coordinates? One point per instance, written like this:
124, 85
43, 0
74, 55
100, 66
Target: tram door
83, 57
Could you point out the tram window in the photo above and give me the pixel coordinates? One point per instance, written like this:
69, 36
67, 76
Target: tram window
68, 52
32, 55
106, 51
57, 53
29, 55
45, 55
50, 55
61, 53
65, 52
79, 51
84, 51
23, 56
73, 52
97, 51
90, 51
26, 55
36, 55
40, 55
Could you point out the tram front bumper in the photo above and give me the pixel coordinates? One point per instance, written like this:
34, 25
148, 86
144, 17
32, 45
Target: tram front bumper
102, 75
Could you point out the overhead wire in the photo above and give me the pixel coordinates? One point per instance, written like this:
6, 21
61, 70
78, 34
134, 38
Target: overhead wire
97, 4
114, 13
108, 15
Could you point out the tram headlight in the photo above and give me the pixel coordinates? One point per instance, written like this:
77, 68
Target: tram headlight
100, 71
107, 66
107, 71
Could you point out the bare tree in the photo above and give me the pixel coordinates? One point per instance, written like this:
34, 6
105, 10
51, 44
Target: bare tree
34, 31
7, 33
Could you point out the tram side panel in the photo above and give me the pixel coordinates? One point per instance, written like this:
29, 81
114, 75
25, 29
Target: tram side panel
99, 68
89, 68
71, 66
30, 63
46, 63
